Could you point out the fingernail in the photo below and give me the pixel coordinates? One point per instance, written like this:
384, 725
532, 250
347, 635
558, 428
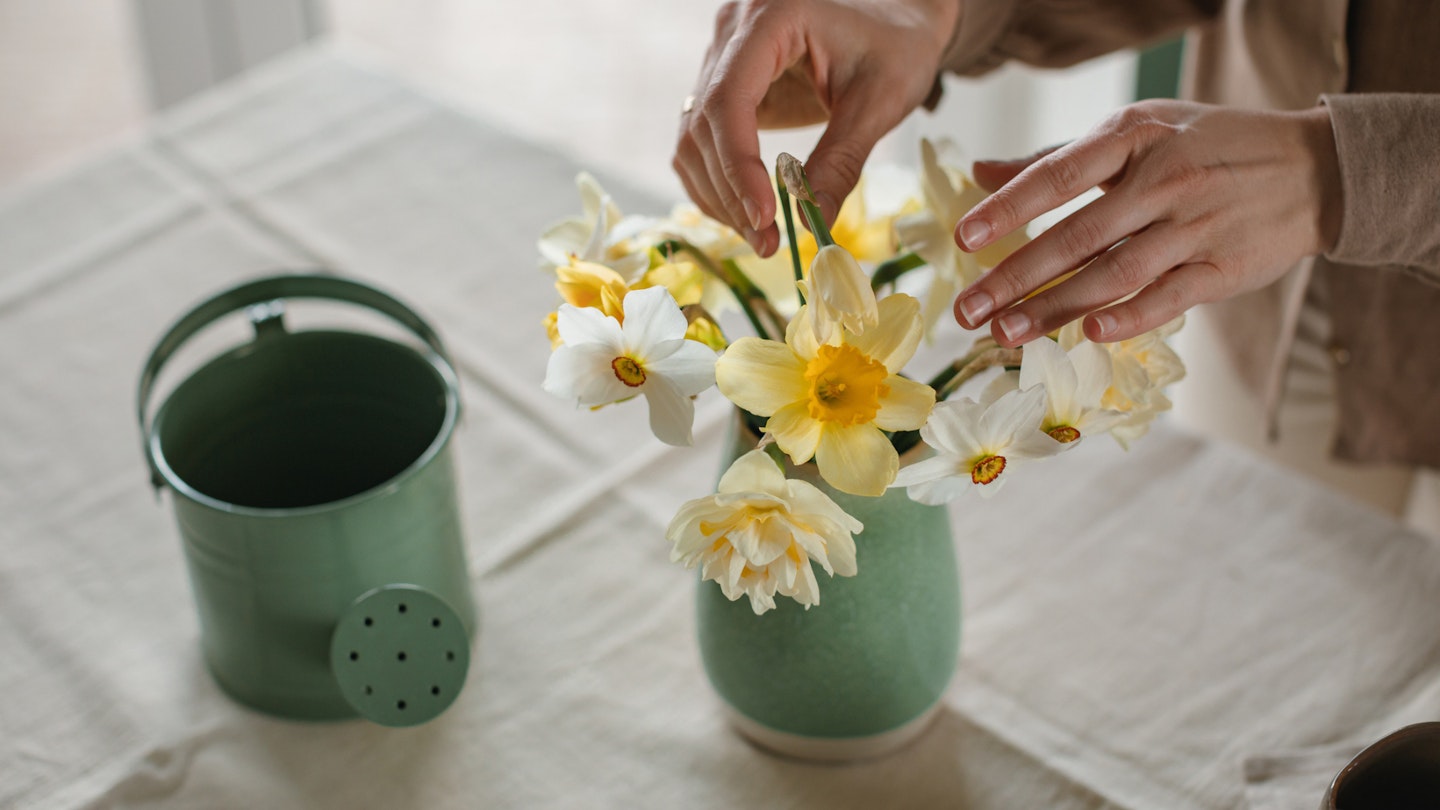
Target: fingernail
1105, 324
974, 233
753, 237
1014, 325
975, 307
753, 212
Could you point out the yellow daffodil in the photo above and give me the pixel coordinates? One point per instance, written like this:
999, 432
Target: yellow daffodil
949, 195
832, 401
759, 533
978, 446
869, 240
839, 294
596, 286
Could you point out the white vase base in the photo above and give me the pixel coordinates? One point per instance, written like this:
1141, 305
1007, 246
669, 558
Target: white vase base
834, 750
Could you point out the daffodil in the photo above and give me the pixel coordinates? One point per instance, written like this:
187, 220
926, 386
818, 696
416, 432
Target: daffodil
1141, 369
600, 361
833, 401
600, 234
759, 533
839, 294
867, 239
586, 284
949, 195
1074, 382
978, 446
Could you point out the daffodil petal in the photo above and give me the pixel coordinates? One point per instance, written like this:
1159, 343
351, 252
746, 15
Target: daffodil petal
953, 427
753, 472
892, 341
1018, 413
929, 469
578, 325
672, 414
582, 373
691, 367
652, 317
797, 433
939, 491
1093, 372
857, 459
906, 407
761, 376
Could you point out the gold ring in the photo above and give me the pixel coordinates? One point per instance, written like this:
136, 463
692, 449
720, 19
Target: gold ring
687, 105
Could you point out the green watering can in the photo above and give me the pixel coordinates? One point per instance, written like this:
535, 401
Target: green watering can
314, 489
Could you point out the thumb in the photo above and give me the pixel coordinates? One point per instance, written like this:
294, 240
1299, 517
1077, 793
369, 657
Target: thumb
992, 174
857, 122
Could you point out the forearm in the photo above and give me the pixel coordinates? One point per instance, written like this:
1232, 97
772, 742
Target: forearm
1389, 160
1059, 33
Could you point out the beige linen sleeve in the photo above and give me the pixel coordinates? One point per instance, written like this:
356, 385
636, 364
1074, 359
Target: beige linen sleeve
1389, 155
1059, 33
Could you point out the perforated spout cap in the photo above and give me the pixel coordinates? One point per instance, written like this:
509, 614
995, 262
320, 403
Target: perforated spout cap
400, 655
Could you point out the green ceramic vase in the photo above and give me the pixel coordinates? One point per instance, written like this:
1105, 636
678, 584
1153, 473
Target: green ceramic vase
861, 673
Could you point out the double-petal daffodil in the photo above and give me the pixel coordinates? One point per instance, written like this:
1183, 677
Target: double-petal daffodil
978, 446
832, 401
587, 284
759, 533
1074, 382
949, 195
839, 294
600, 361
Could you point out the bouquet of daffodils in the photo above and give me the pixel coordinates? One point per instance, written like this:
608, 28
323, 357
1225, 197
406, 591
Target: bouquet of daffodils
823, 377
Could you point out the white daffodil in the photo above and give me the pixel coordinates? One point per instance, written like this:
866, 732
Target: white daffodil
949, 195
977, 445
600, 235
759, 533
1141, 369
838, 294
1075, 383
600, 361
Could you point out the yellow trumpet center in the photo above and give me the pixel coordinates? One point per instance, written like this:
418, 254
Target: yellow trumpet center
628, 371
845, 386
987, 469
1064, 434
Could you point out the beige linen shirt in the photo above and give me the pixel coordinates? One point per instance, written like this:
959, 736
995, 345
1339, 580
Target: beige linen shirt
1376, 65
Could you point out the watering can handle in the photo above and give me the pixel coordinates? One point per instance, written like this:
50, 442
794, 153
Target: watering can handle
305, 285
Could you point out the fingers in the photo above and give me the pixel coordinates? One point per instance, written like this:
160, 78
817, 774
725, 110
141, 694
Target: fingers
992, 174
1111, 277
1044, 185
865, 112
1067, 246
1158, 304
718, 154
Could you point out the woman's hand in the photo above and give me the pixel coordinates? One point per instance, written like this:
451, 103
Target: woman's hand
863, 65
1201, 203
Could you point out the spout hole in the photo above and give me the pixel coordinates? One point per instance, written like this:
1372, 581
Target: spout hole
400, 705
449, 655
354, 656
401, 656
434, 622
435, 690
403, 608
369, 690
369, 621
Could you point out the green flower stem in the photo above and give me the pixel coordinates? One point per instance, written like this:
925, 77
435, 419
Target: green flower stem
891, 270
790, 232
815, 220
729, 274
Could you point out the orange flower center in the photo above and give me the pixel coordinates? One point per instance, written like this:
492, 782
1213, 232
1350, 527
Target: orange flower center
1064, 434
987, 469
628, 371
845, 385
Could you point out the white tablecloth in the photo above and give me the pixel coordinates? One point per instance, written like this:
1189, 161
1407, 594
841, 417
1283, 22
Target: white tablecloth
1136, 626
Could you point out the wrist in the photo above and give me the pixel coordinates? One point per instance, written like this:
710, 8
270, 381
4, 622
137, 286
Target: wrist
1318, 135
